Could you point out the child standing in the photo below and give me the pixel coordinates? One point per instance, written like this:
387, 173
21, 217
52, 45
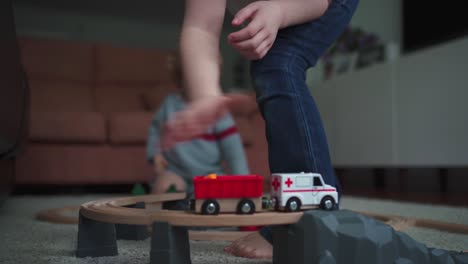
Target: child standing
283, 38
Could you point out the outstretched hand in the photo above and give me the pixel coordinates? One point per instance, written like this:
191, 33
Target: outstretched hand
256, 39
199, 115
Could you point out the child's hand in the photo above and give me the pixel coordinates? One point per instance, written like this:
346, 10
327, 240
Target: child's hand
198, 117
164, 181
159, 163
256, 39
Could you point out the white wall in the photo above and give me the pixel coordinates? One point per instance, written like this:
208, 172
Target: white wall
409, 112
432, 94
383, 17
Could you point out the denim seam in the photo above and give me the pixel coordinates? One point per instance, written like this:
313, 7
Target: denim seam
309, 151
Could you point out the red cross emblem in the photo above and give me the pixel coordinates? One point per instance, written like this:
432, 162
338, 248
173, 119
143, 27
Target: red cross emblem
275, 184
288, 182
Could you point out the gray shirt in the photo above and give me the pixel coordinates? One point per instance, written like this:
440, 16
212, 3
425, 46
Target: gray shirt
219, 147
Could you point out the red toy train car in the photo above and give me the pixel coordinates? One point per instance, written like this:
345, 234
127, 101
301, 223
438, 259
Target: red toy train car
241, 194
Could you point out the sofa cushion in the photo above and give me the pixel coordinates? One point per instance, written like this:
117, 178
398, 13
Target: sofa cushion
82, 164
129, 128
68, 127
123, 65
112, 98
52, 59
53, 96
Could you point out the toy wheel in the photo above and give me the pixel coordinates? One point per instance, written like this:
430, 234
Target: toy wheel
293, 205
327, 203
210, 207
246, 206
275, 203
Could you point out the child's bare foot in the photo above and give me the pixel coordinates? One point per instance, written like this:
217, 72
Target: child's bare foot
251, 246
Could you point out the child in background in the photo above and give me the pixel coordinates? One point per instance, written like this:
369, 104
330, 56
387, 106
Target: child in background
219, 146
283, 38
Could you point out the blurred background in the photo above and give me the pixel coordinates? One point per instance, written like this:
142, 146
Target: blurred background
80, 81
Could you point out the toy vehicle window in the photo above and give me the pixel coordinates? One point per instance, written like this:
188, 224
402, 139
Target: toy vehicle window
317, 181
303, 182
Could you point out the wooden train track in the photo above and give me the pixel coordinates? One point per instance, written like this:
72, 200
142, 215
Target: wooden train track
115, 211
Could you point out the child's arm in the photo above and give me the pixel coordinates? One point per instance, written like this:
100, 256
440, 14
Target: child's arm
293, 12
199, 47
153, 148
200, 56
266, 18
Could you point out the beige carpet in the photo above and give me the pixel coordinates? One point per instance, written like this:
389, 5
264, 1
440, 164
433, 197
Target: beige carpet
24, 239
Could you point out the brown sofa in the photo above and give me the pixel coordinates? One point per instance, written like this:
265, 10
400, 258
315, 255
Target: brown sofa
91, 106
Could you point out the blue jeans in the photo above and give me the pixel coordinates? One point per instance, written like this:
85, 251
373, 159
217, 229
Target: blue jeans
294, 129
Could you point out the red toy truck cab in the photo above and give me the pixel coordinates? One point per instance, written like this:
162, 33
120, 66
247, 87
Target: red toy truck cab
215, 194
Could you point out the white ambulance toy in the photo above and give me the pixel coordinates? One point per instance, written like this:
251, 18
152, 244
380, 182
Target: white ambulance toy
295, 191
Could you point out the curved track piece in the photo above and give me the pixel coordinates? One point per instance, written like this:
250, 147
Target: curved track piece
113, 211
